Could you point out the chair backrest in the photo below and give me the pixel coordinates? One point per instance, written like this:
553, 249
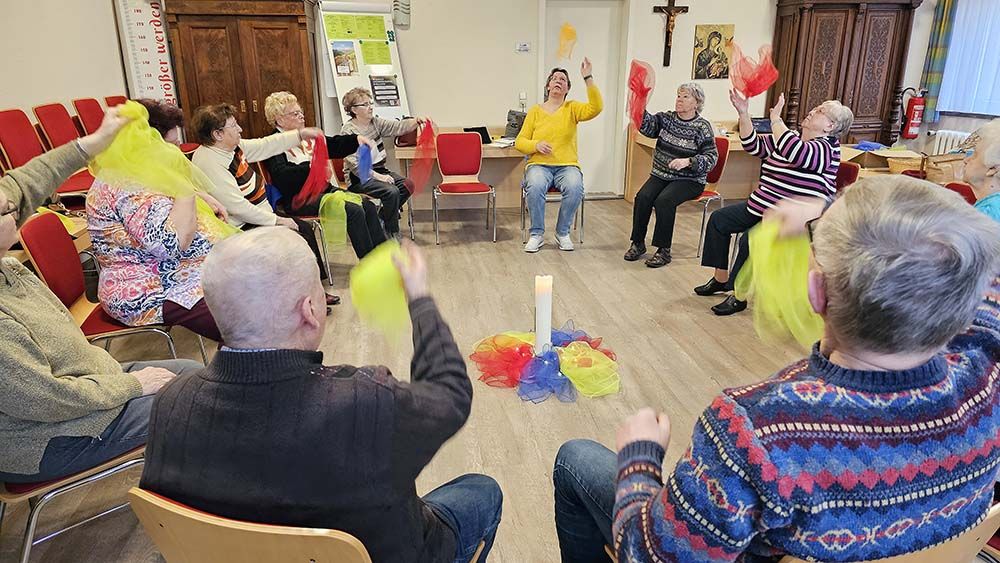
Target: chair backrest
338, 171
962, 549
847, 174
964, 190
57, 125
113, 101
54, 256
459, 156
182, 533
18, 139
90, 113
722, 145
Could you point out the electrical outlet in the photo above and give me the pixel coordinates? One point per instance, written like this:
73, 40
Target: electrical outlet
522, 96
522, 47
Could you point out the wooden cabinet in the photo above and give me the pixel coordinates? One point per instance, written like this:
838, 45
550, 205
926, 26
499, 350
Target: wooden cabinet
239, 52
849, 50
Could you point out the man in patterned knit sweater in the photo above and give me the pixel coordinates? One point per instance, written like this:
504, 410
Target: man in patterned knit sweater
882, 442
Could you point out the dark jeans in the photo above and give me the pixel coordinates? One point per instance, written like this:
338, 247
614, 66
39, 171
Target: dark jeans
66, 455
392, 196
470, 505
198, 319
363, 225
664, 196
584, 479
722, 225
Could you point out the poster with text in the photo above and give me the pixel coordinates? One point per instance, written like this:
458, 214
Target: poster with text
713, 45
385, 91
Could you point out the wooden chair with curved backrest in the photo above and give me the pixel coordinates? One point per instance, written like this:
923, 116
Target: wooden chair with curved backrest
847, 174
710, 193
964, 190
186, 535
90, 114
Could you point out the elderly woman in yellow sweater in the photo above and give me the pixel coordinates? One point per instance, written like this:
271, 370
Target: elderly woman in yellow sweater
548, 137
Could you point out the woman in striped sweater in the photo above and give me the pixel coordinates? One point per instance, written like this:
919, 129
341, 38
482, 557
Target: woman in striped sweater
794, 165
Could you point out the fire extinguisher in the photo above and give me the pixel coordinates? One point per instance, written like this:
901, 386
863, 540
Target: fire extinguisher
914, 114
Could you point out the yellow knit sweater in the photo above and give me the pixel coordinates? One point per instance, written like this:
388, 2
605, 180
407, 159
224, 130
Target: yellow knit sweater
558, 129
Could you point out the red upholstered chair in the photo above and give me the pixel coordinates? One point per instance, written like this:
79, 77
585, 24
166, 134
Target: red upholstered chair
847, 174
90, 112
460, 157
55, 259
39, 494
964, 190
19, 143
113, 101
711, 194
56, 124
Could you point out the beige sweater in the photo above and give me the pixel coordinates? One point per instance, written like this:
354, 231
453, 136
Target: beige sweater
52, 381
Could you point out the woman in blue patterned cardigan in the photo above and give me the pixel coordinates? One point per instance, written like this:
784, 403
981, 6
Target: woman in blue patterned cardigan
884, 441
685, 153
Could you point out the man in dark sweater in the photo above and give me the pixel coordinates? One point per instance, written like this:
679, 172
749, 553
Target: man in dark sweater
267, 433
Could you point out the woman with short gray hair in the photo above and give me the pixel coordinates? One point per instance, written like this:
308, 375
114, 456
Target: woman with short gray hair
685, 153
982, 168
794, 164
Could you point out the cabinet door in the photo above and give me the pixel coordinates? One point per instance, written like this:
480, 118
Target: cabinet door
828, 55
881, 50
211, 66
277, 59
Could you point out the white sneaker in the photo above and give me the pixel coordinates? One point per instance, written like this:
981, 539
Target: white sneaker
535, 242
565, 243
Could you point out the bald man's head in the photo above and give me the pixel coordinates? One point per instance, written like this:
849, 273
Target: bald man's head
263, 289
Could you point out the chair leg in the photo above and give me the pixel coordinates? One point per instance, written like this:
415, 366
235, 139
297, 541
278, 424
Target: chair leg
493, 196
524, 239
580, 233
437, 234
3, 508
317, 226
201, 345
701, 233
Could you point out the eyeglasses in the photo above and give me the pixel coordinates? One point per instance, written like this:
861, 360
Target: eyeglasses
296, 113
12, 209
364, 105
228, 126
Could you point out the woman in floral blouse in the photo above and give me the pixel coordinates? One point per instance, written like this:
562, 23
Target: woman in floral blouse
151, 247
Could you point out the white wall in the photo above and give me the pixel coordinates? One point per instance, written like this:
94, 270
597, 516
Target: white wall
920, 36
459, 60
57, 51
754, 20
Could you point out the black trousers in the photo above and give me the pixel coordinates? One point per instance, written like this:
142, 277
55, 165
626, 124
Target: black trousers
664, 196
306, 231
722, 225
392, 196
363, 225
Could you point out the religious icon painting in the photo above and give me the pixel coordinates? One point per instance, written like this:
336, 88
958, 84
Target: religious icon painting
713, 44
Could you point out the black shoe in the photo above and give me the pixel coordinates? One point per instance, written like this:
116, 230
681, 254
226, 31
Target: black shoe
635, 252
660, 259
711, 288
332, 299
729, 306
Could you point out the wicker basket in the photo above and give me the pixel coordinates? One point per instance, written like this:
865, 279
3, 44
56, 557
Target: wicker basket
937, 172
897, 165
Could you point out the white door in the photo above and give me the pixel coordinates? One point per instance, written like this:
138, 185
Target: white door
598, 26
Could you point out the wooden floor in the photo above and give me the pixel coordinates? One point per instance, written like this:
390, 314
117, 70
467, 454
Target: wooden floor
674, 355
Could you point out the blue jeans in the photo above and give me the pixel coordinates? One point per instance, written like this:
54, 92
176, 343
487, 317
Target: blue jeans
584, 479
66, 455
538, 178
470, 505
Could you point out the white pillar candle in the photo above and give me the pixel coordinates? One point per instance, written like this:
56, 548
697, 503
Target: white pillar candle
543, 313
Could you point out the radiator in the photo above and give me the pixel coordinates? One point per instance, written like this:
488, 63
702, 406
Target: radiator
945, 141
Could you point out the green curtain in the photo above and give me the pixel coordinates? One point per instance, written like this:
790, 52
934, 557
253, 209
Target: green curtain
937, 53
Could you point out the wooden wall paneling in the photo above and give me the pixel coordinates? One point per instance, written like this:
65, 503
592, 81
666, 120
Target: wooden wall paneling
275, 62
213, 70
236, 7
826, 55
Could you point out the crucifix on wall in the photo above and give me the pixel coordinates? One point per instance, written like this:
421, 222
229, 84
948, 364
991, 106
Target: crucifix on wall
671, 12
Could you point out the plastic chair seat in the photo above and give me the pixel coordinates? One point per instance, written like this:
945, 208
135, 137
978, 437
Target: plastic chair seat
99, 322
464, 188
708, 195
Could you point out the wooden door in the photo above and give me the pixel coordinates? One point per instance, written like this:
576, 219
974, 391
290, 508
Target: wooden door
275, 61
827, 56
211, 68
